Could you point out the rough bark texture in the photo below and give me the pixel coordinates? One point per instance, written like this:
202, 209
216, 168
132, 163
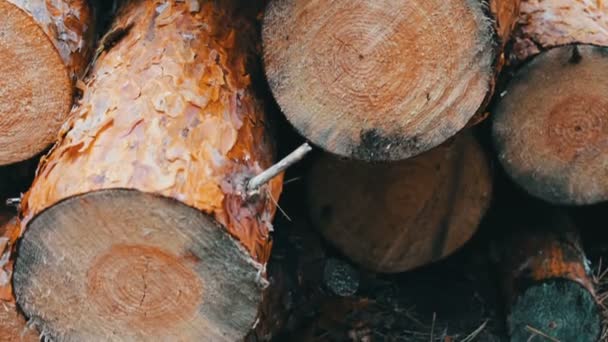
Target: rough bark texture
13, 327
46, 47
168, 111
550, 128
548, 23
12, 324
383, 80
547, 280
395, 217
9, 233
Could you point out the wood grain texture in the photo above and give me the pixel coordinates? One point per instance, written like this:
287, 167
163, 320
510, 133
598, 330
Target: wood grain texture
145, 189
398, 216
549, 23
383, 80
46, 45
550, 129
547, 279
135, 266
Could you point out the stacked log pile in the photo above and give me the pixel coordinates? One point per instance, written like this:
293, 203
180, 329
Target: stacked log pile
152, 216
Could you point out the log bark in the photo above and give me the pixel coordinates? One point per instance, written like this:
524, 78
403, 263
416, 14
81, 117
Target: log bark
137, 222
383, 80
13, 327
550, 127
548, 23
12, 324
46, 45
398, 216
547, 282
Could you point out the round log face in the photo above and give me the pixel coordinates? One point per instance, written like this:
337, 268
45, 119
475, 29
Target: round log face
551, 127
378, 80
561, 309
136, 266
398, 216
35, 87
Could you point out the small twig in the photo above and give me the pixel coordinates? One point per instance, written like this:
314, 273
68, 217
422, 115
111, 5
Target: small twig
475, 332
291, 180
254, 184
278, 206
540, 333
13, 202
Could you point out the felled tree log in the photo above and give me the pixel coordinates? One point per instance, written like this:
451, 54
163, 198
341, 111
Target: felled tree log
46, 45
548, 23
137, 221
12, 325
383, 80
550, 129
547, 281
395, 217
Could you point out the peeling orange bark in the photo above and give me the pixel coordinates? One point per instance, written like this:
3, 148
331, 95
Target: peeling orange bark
12, 324
549, 23
46, 47
170, 110
547, 278
9, 233
69, 24
144, 194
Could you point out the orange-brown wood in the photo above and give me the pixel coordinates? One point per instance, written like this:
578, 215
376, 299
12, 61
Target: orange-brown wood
46, 45
186, 118
547, 278
383, 80
12, 324
13, 327
144, 192
9, 233
550, 127
397, 216
549, 23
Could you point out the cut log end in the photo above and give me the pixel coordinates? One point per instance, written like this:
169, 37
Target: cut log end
547, 281
152, 268
559, 309
397, 216
35, 88
552, 126
378, 80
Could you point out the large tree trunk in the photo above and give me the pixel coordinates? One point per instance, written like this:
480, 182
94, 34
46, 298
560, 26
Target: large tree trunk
549, 23
550, 129
44, 46
137, 222
547, 282
386, 79
398, 216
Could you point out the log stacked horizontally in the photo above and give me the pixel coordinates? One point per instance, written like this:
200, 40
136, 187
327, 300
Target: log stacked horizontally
546, 278
383, 80
551, 127
138, 221
152, 217
46, 46
398, 216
